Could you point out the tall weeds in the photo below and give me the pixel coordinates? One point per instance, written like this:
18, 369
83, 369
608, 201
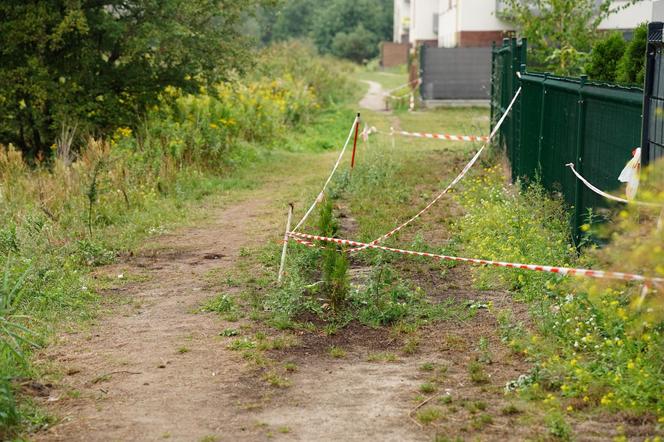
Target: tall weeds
87, 204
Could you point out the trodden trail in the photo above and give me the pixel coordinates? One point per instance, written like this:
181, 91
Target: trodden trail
133, 383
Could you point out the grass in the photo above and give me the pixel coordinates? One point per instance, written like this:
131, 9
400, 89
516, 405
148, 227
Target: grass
337, 352
382, 357
388, 79
428, 388
477, 373
429, 415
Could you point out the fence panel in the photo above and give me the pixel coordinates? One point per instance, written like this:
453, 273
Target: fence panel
612, 131
558, 142
560, 120
653, 105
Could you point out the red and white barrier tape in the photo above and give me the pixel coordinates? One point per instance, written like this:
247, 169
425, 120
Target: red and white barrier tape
448, 137
452, 184
415, 83
320, 196
564, 271
608, 195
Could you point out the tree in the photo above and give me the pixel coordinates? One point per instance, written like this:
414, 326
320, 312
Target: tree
560, 32
632, 65
604, 57
346, 16
98, 64
357, 45
347, 28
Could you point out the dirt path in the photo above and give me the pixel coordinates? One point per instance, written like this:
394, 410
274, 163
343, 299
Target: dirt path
133, 383
375, 98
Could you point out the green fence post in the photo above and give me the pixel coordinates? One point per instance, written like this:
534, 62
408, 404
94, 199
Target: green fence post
578, 162
540, 139
493, 88
514, 67
524, 51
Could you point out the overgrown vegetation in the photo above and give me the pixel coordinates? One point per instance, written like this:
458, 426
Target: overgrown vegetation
86, 68
349, 29
593, 343
561, 34
614, 60
339, 287
63, 217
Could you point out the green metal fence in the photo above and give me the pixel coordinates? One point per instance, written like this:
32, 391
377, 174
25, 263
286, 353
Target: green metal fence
560, 120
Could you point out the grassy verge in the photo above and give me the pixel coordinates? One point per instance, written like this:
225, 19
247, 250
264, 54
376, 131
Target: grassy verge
594, 344
387, 78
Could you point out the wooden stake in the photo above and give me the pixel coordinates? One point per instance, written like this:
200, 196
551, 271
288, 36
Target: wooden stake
357, 128
283, 251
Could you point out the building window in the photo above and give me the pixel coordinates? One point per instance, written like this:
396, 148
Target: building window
435, 24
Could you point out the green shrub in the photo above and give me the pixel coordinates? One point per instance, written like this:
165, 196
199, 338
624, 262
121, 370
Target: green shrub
604, 57
599, 342
632, 65
525, 227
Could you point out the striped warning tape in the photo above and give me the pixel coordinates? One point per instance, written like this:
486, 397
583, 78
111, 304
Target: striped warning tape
453, 183
320, 196
448, 137
414, 84
564, 271
608, 195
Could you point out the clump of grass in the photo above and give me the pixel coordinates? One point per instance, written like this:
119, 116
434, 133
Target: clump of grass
481, 421
510, 410
382, 357
221, 304
275, 380
429, 415
337, 352
242, 344
427, 388
411, 346
290, 367
557, 427
183, 350
477, 373
446, 399
427, 366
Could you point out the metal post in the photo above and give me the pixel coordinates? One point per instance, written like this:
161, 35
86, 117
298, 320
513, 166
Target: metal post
541, 127
283, 251
580, 144
493, 87
357, 128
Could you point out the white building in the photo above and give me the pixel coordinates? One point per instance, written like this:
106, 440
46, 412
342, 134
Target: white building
401, 21
467, 23
633, 15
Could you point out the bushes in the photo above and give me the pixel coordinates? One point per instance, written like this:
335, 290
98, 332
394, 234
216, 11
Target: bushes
604, 58
525, 227
592, 342
614, 60
631, 68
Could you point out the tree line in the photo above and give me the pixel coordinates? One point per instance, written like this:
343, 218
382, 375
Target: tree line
351, 29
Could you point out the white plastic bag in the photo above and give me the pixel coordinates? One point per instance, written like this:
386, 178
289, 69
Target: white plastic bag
630, 174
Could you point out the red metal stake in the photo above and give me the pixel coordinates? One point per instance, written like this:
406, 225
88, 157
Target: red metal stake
357, 128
